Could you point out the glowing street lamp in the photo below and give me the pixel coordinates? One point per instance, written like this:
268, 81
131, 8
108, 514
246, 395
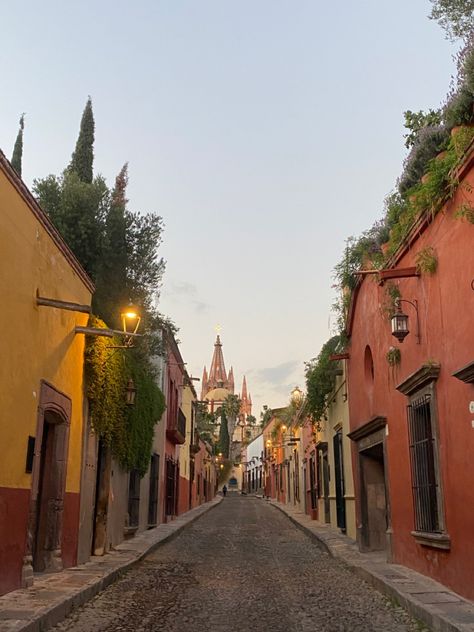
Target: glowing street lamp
130, 317
296, 396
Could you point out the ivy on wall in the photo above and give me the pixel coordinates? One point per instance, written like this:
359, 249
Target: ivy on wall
143, 416
127, 430
320, 378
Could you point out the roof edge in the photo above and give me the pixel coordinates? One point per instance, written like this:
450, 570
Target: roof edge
44, 220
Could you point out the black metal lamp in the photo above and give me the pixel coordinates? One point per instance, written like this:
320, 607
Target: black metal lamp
400, 321
130, 393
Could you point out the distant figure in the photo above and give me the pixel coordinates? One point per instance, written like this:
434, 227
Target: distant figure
224, 490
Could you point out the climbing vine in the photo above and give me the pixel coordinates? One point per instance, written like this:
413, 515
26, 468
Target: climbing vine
320, 378
127, 430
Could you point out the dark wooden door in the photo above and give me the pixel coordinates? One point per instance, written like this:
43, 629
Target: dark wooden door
339, 476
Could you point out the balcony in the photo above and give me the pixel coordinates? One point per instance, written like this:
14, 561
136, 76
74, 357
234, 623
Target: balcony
176, 428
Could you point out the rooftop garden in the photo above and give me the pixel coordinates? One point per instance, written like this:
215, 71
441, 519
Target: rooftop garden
437, 141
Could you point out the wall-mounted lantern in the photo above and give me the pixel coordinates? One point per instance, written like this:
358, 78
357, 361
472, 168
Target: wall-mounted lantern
296, 396
400, 321
130, 393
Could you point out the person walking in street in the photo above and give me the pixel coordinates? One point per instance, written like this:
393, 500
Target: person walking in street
224, 490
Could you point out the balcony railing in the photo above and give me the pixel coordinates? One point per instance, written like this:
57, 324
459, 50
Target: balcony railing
176, 428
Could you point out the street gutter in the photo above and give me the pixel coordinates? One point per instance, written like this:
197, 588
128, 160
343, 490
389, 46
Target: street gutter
435, 605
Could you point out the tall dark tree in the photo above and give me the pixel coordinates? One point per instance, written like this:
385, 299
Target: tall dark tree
18, 148
113, 287
77, 202
78, 210
224, 440
82, 159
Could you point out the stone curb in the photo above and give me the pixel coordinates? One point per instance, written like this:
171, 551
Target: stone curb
446, 612
20, 610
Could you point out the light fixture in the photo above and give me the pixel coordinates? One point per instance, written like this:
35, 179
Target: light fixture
130, 393
400, 321
296, 396
283, 428
130, 318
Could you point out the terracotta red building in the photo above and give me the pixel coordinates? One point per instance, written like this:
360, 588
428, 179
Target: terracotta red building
175, 434
412, 420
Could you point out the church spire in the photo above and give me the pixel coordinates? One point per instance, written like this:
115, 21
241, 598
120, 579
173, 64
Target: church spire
244, 389
246, 401
217, 373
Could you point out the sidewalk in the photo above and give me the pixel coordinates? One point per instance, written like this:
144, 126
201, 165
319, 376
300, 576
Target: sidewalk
53, 596
426, 600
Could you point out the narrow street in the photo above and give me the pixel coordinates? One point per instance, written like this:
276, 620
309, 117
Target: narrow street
242, 566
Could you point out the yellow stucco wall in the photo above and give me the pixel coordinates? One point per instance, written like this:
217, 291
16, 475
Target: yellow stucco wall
186, 407
337, 414
37, 342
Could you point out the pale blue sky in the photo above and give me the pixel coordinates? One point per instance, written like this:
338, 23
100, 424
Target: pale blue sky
263, 131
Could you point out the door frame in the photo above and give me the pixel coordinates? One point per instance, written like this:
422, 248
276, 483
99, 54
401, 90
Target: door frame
51, 400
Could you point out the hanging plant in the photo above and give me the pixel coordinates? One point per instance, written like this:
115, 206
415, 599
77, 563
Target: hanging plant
466, 212
394, 356
427, 260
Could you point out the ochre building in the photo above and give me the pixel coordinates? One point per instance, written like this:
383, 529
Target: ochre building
41, 389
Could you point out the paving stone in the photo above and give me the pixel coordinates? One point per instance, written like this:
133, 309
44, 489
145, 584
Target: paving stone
242, 567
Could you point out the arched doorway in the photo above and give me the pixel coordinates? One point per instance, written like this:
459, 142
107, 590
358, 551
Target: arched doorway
48, 482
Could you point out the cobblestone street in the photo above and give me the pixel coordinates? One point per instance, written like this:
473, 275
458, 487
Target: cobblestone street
242, 566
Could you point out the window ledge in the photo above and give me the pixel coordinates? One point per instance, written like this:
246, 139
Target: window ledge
434, 540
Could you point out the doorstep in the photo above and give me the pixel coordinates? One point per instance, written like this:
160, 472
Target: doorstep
54, 595
425, 599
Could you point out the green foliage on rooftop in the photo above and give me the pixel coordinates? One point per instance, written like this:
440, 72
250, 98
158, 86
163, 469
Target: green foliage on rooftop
438, 141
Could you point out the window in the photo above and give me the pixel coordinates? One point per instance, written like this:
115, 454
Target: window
423, 461
428, 509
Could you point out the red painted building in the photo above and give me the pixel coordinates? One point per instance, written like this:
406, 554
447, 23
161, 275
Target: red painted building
175, 434
412, 421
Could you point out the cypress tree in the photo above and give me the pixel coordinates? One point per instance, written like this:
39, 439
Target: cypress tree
18, 148
224, 439
112, 285
82, 159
